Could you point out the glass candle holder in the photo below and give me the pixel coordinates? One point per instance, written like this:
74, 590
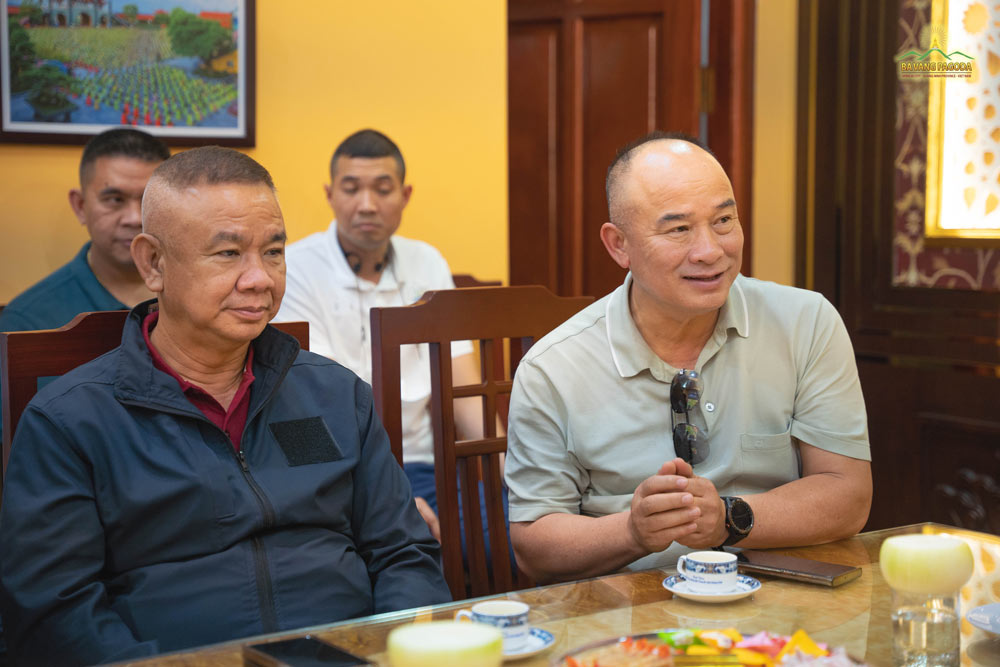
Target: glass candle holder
445, 644
926, 573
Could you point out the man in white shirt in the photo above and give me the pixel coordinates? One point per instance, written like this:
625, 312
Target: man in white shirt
336, 276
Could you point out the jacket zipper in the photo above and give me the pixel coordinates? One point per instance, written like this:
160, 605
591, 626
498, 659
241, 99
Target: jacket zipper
265, 588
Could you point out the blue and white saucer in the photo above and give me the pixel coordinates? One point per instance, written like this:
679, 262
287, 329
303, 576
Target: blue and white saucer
986, 618
538, 640
745, 586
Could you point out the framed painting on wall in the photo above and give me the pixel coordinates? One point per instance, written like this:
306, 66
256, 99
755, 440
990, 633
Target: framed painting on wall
182, 70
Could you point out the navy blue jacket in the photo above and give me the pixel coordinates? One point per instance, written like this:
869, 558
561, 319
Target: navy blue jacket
130, 525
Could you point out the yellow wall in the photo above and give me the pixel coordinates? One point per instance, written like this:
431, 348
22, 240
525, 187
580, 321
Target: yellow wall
774, 142
432, 75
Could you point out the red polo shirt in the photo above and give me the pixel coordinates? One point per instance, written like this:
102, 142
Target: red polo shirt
232, 421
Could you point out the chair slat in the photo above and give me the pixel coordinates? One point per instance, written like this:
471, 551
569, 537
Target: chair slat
475, 539
499, 546
480, 447
490, 316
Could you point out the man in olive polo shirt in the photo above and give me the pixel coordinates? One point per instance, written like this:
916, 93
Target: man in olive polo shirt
618, 460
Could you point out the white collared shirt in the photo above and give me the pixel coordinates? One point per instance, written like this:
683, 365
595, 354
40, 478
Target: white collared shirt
321, 289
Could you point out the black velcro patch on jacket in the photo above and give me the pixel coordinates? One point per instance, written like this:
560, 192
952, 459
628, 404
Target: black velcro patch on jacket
306, 441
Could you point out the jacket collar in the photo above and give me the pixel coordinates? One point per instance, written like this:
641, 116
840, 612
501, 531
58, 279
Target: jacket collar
137, 380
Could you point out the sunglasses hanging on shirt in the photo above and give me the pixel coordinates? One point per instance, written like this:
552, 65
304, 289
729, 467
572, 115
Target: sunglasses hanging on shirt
690, 443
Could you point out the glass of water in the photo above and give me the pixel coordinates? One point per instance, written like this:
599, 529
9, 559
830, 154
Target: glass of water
925, 629
926, 573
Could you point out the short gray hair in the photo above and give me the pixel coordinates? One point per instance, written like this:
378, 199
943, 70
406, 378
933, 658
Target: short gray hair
211, 165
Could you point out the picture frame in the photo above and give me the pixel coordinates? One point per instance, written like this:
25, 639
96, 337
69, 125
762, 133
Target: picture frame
72, 69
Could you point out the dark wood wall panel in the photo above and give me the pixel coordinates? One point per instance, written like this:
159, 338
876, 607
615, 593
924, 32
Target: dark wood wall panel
970, 495
607, 72
925, 426
929, 359
620, 102
730, 106
681, 85
533, 174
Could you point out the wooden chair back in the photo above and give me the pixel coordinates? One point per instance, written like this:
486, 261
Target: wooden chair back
488, 315
26, 356
468, 280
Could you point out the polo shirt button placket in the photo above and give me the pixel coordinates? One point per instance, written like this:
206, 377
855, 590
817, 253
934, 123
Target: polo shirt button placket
708, 412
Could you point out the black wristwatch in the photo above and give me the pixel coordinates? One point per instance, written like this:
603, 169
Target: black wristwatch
739, 519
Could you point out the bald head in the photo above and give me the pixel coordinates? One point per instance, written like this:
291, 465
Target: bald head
668, 143
205, 166
675, 227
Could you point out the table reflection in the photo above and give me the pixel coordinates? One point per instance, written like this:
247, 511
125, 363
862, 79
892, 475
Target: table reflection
855, 615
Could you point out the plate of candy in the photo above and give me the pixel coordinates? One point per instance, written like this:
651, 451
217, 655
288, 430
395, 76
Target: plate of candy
677, 647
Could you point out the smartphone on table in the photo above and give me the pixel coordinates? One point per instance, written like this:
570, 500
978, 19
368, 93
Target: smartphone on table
307, 651
792, 567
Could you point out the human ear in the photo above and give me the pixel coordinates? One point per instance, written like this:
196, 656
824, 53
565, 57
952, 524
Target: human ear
407, 191
614, 242
328, 190
76, 203
147, 253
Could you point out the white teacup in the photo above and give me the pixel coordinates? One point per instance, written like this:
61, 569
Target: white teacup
508, 616
708, 571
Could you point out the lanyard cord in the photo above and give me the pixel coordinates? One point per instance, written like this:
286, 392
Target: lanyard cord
391, 266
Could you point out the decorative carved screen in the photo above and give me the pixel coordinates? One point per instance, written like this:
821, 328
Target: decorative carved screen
947, 160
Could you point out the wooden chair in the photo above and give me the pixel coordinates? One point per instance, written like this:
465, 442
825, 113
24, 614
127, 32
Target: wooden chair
26, 356
488, 315
462, 280
468, 280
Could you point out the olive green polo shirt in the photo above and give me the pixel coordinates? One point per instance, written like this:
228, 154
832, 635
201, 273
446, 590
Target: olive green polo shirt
590, 409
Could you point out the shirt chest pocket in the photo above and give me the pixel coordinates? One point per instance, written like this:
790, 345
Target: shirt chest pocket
768, 460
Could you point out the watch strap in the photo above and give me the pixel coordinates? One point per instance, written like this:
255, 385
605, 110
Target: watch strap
736, 533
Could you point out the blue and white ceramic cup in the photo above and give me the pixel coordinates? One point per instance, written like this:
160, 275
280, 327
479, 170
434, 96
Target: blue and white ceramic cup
508, 616
708, 571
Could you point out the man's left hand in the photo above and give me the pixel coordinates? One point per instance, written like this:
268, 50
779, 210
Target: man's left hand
711, 525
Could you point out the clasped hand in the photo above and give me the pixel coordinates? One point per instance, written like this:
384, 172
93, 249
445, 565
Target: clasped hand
676, 506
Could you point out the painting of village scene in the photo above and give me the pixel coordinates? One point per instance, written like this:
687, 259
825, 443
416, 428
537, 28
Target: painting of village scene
175, 68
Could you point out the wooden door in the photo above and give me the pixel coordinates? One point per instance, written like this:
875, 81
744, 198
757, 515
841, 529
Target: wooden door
928, 353
586, 77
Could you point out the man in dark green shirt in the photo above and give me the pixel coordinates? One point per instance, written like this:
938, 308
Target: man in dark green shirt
114, 169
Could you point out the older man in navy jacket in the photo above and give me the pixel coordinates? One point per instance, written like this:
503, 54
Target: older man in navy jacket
207, 479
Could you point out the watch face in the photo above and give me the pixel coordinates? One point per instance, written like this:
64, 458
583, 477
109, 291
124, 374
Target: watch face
740, 515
